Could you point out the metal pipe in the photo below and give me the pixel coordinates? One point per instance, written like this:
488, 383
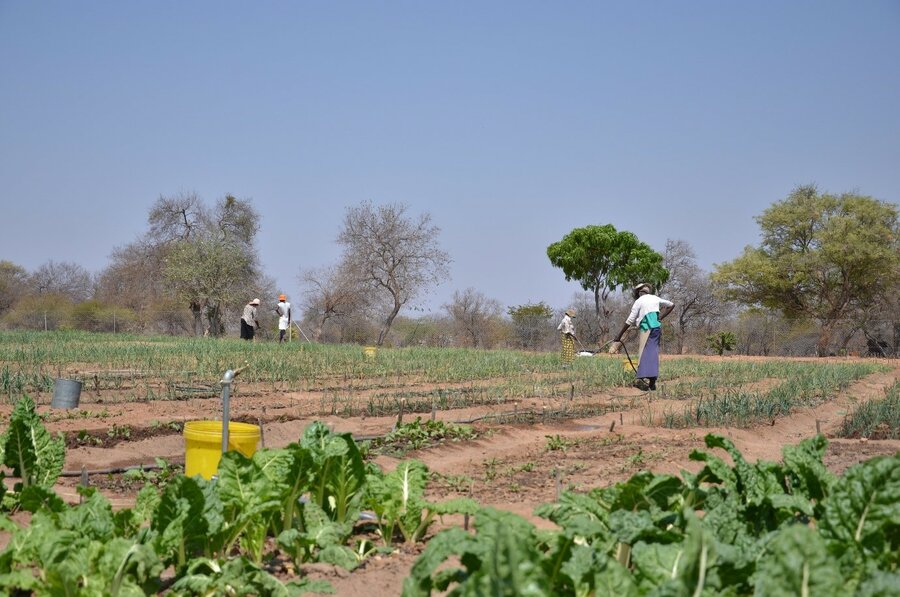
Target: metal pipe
226, 402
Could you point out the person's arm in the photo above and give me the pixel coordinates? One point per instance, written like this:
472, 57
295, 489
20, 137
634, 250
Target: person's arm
666, 310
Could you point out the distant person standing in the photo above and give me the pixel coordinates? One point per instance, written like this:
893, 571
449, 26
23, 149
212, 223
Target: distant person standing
566, 330
647, 312
283, 309
249, 322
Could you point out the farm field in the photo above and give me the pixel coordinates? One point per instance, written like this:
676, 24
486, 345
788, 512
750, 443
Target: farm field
524, 430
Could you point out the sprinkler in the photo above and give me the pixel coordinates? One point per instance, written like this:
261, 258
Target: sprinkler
226, 399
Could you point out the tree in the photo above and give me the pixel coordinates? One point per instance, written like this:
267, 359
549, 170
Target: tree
690, 288
822, 256
531, 323
721, 341
602, 259
331, 293
13, 281
62, 278
396, 256
209, 255
474, 317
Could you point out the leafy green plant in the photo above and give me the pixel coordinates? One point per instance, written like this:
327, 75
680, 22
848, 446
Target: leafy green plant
398, 501
33, 455
721, 341
789, 528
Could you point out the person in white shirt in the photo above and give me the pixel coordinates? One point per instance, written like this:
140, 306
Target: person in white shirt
647, 312
283, 310
566, 329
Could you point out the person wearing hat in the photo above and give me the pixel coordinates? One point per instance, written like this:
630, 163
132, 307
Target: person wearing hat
647, 312
249, 323
283, 309
566, 329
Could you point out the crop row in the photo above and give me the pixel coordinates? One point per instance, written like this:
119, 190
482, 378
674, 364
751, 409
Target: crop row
733, 528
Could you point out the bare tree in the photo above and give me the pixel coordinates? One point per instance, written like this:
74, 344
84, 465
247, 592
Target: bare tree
329, 293
63, 278
690, 288
392, 254
473, 316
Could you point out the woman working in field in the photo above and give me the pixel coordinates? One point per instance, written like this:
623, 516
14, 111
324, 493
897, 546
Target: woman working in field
647, 311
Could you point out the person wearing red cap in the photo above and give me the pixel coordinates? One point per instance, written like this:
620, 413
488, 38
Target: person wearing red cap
283, 310
249, 323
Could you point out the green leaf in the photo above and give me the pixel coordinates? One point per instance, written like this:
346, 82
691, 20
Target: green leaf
29, 449
797, 562
863, 511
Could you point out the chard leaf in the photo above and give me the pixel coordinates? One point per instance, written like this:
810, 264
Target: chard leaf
180, 524
338, 470
578, 515
29, 449
863, 511
236, 577
797, 562
806, 471
248, 500
656, 563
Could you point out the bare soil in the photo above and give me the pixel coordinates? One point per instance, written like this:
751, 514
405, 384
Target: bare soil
515, 467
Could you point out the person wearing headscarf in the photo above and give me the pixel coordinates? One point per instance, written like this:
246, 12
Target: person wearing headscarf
647, 312
249, 323
566, 330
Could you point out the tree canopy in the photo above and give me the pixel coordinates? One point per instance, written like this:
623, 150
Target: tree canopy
822, 257
602, 259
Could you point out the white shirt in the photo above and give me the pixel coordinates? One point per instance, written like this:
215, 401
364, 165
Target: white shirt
566, 326
646, 303
285, 311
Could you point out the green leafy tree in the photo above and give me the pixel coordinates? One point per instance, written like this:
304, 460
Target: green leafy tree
209, 256
602, 259
721, 342
822, 257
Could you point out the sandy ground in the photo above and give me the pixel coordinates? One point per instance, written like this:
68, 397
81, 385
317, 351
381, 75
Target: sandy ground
510, 466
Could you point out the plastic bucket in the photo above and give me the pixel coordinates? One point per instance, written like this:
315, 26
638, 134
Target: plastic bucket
203, 445
370, 351
66, 393
626, 365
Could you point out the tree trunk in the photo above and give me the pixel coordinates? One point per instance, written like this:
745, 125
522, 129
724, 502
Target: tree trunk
824, 339
197, 313
387, 324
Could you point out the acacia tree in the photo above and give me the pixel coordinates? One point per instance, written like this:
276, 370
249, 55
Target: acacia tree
602, 259
473, 316
690, 288
396, 256
822, 256
208, 254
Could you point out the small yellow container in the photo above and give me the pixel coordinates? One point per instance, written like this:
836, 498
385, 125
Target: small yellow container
203, 445
626, 365
370, 351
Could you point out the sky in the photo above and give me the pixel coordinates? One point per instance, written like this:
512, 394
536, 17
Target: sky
510, 123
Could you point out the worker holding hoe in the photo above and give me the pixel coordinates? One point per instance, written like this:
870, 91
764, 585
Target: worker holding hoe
647, 312
283, 310
249, 323
566, 329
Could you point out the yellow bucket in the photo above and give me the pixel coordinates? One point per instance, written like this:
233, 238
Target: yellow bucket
370, 351
203, 445
626, 365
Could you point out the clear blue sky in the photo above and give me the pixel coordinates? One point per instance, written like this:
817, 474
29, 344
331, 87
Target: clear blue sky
510, 122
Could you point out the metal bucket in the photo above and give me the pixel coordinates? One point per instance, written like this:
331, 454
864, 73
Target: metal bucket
66, 393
